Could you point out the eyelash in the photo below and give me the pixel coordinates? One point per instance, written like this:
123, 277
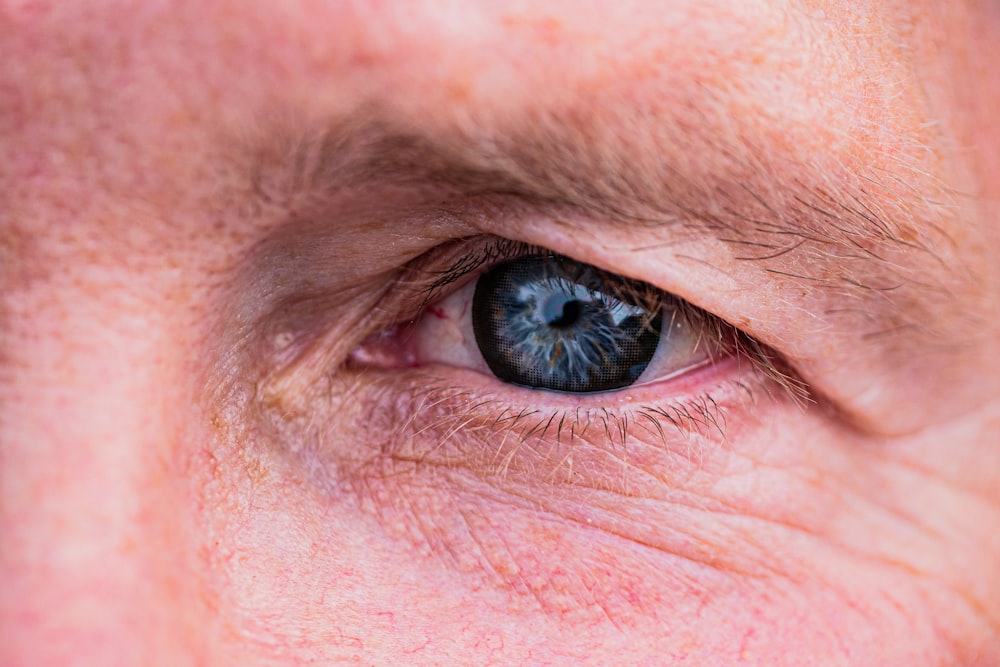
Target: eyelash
445, 424
493, 252
438, 405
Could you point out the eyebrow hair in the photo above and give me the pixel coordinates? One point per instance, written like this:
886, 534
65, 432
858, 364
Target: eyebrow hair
873, 229
631, 179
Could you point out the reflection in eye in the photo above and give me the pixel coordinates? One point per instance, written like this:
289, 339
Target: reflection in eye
553, 323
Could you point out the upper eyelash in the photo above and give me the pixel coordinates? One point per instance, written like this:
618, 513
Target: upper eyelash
496, 250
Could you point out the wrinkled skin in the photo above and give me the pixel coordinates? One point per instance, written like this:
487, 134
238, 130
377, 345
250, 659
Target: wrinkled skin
208, 456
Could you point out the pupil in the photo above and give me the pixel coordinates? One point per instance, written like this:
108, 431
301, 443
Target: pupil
562, 311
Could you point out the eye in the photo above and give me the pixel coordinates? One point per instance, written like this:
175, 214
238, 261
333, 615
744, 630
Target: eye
550, 322
482, 345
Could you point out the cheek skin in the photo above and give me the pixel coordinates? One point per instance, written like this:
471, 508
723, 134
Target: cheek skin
462, 555
720, 552
98, 484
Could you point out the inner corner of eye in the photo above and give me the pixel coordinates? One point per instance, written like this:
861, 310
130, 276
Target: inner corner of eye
390, 348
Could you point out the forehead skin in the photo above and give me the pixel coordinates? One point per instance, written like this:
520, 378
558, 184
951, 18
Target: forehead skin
127, 217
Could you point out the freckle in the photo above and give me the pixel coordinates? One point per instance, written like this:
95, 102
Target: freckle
459, 91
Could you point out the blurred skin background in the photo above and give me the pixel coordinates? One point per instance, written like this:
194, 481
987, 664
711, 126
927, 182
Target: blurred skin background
243, 420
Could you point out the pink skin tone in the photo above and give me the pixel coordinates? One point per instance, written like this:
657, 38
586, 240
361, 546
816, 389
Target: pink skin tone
209, 455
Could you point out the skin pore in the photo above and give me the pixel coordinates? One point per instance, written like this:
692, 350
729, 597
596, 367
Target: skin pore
230, 435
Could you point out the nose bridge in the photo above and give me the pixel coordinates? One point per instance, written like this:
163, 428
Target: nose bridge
92, 535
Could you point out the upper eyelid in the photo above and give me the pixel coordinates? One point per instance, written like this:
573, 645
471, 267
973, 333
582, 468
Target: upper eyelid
473, 256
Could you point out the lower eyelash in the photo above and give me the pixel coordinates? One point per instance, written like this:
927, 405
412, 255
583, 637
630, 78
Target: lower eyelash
437, 423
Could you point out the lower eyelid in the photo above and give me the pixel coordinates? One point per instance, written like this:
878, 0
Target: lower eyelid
704, 378
446, 417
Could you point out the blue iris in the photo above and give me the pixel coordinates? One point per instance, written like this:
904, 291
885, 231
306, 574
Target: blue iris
553, 323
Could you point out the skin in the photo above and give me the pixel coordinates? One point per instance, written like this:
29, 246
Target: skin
208, 456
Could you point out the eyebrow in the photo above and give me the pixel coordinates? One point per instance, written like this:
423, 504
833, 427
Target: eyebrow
746, 193
856, 228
